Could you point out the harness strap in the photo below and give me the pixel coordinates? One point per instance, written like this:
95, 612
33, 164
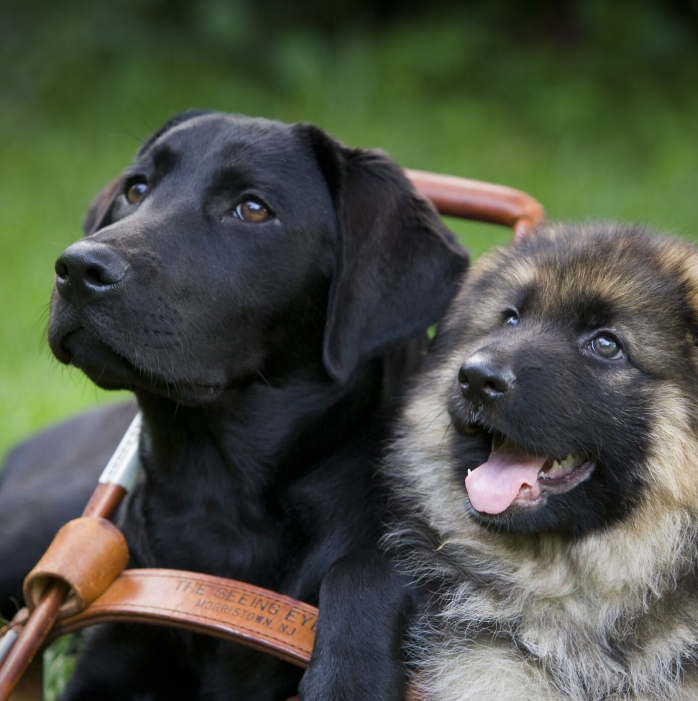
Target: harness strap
220, 607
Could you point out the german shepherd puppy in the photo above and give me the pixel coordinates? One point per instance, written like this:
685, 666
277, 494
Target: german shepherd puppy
546, 476
547, 469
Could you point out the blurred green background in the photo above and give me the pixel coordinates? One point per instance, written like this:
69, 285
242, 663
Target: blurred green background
592, 107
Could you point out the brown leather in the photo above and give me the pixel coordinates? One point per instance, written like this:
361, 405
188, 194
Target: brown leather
31, 687
104, 501
206, 604
223, 608
87, 554
473, 199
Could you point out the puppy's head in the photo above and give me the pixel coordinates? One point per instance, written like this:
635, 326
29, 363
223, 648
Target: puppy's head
237, 248
566, 371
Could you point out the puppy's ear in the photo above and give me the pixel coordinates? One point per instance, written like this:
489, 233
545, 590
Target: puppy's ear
398, 265
99, 208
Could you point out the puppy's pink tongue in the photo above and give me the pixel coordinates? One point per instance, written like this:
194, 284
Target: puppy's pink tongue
494, 485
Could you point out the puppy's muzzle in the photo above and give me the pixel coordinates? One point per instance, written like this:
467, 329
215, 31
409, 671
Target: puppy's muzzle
88, 268
483, 378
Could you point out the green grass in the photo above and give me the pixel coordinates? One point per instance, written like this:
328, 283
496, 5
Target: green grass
583, 156
604, 131
579, 165
59, 662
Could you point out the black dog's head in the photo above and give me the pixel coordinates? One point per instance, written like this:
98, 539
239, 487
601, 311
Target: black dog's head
568, 376
235, 247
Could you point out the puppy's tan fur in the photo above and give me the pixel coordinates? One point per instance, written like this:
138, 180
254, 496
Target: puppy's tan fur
610, 616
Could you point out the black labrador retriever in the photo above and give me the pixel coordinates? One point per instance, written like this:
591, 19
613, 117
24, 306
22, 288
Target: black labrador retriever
261, 289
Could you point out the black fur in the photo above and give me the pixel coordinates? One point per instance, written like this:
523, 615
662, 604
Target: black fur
262, 357
365, 607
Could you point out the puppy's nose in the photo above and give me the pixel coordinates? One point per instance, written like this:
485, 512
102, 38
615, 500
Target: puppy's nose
483, 379
88, 268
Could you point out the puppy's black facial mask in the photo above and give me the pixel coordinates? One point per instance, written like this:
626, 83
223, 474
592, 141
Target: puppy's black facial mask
542, 318
211, 300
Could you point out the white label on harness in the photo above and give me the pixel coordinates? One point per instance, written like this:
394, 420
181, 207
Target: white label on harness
6, 643
124, 465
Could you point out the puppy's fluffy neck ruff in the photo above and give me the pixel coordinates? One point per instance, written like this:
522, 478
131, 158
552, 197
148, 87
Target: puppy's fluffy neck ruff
562, 621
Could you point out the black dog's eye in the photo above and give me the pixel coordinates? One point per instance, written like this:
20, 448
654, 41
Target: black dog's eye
136, 191
607, 346
511, 317
252, 211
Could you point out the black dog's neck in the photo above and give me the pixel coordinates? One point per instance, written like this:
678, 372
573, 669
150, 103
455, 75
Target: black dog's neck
236, 475
251, 432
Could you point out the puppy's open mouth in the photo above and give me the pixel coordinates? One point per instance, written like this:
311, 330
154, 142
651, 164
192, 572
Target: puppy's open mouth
513, 478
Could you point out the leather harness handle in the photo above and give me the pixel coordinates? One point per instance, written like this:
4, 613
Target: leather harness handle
213, 605
473, 199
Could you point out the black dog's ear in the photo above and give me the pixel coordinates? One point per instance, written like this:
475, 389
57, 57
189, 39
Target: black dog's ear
398, 265
99, 207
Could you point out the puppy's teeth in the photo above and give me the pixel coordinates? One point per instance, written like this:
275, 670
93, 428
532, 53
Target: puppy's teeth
569, 461
469, 471
556, 466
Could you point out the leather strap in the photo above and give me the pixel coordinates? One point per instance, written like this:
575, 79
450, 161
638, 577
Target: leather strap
215, 606
224, 608
87, 554
474, 199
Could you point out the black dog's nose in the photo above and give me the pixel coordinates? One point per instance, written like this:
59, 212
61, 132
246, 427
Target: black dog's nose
483, 379
87, 268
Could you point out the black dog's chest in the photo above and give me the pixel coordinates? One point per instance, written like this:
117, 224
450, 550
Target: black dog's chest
281, 538
212, 530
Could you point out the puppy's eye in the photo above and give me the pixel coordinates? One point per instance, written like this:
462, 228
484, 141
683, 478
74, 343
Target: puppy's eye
252, 211
136, 191
607, 346
511, 317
